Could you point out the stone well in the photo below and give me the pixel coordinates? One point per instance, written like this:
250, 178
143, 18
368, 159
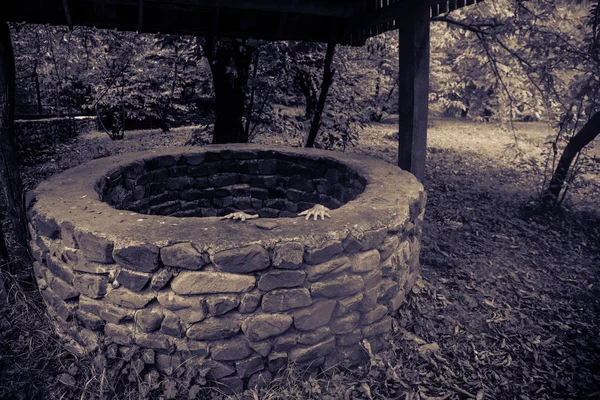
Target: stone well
129, 253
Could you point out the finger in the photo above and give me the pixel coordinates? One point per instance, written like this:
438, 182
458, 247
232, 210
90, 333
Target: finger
243, 218
254, 216
228, 216
307, 216
327, 215
316, 216
303, 213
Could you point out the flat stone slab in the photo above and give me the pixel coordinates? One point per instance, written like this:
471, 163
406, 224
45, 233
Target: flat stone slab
199, 282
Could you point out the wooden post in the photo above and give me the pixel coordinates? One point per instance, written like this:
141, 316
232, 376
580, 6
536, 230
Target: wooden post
413, 85
10, 178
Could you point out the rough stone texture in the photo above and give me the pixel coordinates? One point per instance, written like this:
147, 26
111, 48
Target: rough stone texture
373, 238
132, 280
219, 305
281, 279
249, 366
316, 336
242, 260
115, 314
300, 290
250, 302
149, 320
345, 324
91, 267
344, 285
264, 326
231, 350
365, 261
161, 278
60, 269
126, 298
143, 258
349, 339
63, 290
213, 329
372, 279
199, 282
314, 316
172, 325
93, 286
120, 334
324, 252
388, 247
192, 315
263, 348
192, 348
155, 341
285, 299
173, 302
369, 300
285, 342
182, 255
90, 321
374, 315
95, 248
379, 328
331, 268
313, 352
288, 255
348, 304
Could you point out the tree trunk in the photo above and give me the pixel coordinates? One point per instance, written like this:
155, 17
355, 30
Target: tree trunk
10, 178
4, 256
581, 139
304, 82
229, 61
328, 74
164, 125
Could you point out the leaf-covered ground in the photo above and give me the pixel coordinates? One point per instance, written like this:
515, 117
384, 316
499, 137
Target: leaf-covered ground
508, 307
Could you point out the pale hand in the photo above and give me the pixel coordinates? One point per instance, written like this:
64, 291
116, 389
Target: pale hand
316, 212
242, 216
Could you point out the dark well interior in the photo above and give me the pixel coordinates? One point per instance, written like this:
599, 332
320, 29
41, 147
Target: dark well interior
210, 184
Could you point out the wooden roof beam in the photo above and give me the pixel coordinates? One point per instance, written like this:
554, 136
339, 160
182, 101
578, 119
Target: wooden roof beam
328, 8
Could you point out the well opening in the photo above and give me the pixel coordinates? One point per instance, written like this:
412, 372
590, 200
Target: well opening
267, 183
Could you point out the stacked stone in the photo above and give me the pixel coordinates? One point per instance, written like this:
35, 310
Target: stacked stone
241, 313
218, 183
37, 135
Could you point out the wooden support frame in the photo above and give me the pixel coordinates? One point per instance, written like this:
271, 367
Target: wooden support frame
140, 16
413, 88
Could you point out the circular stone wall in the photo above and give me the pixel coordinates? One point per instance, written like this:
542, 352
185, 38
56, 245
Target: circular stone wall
128, 253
